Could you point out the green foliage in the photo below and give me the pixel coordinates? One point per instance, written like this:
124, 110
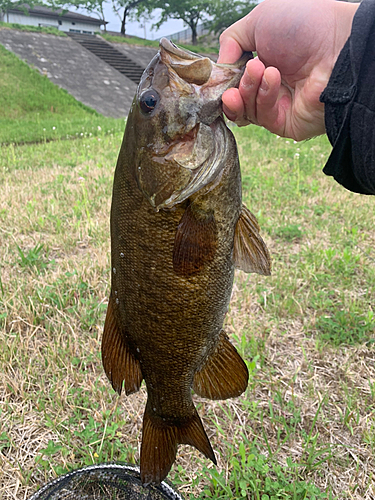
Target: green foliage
200, 49
36, 259
255, 477
346, 327
92, 6
189, 11
5, 5
225, 13
130, 40
49, 30
289, 232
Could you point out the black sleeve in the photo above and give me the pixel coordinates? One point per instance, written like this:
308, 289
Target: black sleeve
349, 101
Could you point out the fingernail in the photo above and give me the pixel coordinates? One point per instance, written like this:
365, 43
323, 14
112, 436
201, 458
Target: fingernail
247, 81
264, 87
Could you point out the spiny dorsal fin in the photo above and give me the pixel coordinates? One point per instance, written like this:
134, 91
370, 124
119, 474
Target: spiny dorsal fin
225, 374
118, 362
195, 242
160, 440
250, 253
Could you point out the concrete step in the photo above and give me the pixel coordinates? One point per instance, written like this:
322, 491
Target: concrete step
110, 55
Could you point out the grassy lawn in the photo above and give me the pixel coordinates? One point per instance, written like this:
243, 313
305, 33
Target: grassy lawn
32, 108
49, 30
304, 429
199, 48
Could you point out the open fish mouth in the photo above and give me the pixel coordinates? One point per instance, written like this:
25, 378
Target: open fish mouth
170, 47
189, 164
206, 173
185, 154
186, 141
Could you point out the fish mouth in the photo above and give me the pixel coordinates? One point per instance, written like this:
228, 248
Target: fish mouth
190, 67
207, 173
187, 156
185, 140
172, 49
190, 163
196, 69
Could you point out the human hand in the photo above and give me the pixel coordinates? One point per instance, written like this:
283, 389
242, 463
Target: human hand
297, 43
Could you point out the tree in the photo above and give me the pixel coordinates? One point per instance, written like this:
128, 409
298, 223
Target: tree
92, 6
189, 11
226, 13
97, 7
128, 6
6, 5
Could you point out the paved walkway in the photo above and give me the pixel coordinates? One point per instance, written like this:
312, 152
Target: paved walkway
75, 69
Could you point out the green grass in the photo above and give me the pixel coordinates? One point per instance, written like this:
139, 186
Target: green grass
49, 30
33, 109
133, 40
304, 429
199, 48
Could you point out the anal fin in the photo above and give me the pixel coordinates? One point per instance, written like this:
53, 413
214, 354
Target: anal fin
118, 362
250, 253
160, 441
225, 374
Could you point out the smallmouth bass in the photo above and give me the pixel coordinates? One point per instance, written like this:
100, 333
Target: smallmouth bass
178, 231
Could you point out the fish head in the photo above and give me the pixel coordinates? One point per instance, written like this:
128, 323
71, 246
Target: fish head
177, 123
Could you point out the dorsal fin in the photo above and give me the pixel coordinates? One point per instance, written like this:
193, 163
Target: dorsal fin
250, 253
119, 363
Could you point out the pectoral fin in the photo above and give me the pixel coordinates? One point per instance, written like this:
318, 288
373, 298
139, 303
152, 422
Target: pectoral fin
119, 363
195, 242
225, 374
250, 253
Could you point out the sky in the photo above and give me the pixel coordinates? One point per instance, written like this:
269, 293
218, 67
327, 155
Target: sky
136, 28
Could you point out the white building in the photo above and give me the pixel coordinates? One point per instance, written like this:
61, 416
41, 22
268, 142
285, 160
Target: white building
60, 19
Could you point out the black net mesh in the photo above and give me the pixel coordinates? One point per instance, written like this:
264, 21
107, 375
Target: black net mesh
104, 482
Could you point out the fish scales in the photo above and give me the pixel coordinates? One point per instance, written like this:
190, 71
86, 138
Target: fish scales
168, 312
176, 215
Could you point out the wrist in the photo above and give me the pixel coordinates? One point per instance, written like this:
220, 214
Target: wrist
344, 12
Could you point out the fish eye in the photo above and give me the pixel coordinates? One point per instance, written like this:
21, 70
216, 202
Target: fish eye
148, 101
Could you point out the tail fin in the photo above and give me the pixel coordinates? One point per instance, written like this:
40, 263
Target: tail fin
160, 440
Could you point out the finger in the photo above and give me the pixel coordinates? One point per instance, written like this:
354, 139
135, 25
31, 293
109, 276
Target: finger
249, 86
272, 102
268, 90
230, 51
233, 105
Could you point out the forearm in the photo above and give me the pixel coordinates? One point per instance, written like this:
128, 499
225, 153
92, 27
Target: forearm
349, 100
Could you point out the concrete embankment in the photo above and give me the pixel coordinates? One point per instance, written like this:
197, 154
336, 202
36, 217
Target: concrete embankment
84, 75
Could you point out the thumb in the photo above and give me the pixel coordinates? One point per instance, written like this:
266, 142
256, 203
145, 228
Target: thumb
237, 39
230, 50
